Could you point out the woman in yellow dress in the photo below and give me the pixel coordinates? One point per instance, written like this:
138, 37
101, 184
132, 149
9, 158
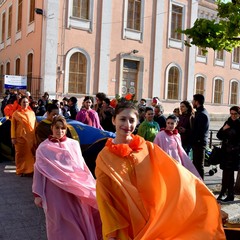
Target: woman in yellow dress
23, 137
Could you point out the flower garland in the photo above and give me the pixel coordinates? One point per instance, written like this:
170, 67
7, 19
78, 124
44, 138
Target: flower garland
118, 99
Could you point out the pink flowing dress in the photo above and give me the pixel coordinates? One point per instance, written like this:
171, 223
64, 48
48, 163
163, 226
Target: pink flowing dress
67, 189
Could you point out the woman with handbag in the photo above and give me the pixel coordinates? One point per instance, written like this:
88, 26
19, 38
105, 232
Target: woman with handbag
230, 136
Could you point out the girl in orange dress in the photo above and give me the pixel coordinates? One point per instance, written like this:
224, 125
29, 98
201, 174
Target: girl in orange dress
142, 193
23, 137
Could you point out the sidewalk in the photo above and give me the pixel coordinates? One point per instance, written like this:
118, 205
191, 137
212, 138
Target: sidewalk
21, 219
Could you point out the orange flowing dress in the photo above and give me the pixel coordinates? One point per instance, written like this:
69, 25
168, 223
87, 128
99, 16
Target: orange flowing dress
22, 128
143, 193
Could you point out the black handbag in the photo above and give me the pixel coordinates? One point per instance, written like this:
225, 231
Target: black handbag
215, 156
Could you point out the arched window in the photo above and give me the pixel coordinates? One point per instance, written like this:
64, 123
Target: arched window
234, 93
17, 67
173, 83
77, 73
29, 71
200, 82
218, 91
1, 79
8, 68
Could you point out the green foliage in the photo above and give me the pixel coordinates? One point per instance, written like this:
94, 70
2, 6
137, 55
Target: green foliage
218, 35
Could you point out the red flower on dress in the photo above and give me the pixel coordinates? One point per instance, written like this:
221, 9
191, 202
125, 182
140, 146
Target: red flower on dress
124, 149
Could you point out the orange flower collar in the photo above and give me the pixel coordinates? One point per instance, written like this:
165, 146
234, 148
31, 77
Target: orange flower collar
124, 149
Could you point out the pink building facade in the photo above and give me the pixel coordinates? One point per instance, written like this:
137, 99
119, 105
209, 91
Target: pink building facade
79, 48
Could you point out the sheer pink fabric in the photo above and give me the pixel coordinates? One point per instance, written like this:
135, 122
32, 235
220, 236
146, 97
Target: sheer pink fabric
67, 189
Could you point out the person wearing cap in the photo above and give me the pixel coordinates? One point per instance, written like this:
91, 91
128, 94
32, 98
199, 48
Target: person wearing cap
73, 108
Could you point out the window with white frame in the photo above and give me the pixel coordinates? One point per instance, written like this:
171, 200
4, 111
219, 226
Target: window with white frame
17, 66
176, 21
9, 33
219, 54
32, 11
80, 9
3, 35
234, 93
236, 55
134, 14
218, 91
19, 15
200, 85
1, 78
173, 83
80, 14
8, 68
133, 19
29, 71
77, 73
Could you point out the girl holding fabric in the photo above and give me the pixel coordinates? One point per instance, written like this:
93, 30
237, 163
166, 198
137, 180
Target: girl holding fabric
142, 192
65, 188
23, 137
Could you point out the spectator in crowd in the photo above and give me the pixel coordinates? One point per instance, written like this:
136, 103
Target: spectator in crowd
141, 191
176, 112
199, 135
143, 103
23, 137
230, 136
99, 98
43, 129
159, 117
41, 108
169, 140
57, 102
73, 108
4, 101
148, 129
46, 99
65, 188
34, 106
184, 125
87, 115
65, 107
155, 101
106, 114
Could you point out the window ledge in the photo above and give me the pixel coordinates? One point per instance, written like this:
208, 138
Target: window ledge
1, 45
235, 65
201, 59
18, 36
80, 23
8, 42
219, 62
30, 27
133, 34
175, 43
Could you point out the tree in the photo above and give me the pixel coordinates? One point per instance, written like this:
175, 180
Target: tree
220, 34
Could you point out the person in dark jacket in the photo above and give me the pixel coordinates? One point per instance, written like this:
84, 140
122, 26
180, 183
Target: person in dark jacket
73, 108
229, 133
200, 129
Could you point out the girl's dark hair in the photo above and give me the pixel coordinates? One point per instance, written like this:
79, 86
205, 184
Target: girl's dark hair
173, 117
125, 105
88, 98
235, 108
61, 119
107, 101
51, 107
101, 96
20, 100
188, 106
148, 109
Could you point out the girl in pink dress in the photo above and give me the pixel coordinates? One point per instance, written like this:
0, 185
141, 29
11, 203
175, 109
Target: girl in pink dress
65, 188
170, 141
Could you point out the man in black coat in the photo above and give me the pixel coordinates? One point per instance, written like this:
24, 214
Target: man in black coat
73, 108
200, 129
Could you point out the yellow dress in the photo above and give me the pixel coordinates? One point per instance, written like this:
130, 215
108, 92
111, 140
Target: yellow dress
22, 128
143, 193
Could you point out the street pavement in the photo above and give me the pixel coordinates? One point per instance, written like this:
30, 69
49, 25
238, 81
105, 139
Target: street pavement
21, 219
